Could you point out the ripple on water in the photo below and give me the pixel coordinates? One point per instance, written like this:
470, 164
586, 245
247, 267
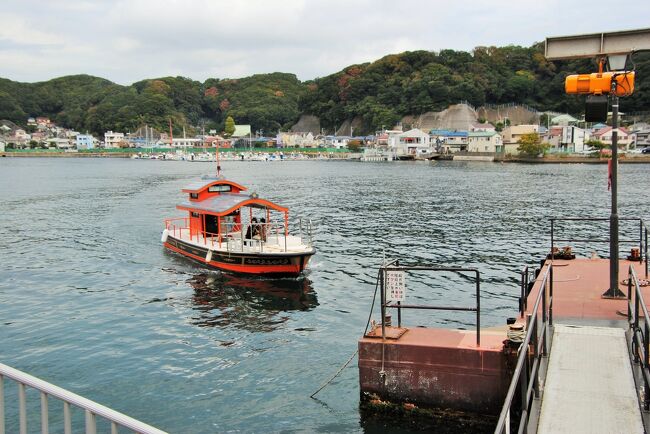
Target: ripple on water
90, 301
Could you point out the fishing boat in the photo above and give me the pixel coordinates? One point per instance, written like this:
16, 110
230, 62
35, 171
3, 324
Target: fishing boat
229, 229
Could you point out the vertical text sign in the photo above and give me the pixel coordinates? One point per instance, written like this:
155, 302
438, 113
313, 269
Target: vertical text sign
395, 287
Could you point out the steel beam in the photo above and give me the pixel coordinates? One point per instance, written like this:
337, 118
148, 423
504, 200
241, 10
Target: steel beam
597, 44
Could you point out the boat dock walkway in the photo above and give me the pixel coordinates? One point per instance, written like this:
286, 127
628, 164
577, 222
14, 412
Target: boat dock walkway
589, 384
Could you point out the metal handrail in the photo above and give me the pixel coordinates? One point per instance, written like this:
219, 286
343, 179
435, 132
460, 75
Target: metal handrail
526, 376
640, 336
91, 408
399, 306
642, 240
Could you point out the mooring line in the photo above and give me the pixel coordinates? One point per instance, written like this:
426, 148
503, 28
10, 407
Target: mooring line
374, 297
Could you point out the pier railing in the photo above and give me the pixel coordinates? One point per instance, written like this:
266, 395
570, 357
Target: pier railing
394, 266
637, 314
641, 242
90, 408
535, 345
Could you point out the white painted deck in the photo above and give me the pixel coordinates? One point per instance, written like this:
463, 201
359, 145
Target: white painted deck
589, 384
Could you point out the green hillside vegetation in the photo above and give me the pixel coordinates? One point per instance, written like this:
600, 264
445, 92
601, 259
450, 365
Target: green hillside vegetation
380, 93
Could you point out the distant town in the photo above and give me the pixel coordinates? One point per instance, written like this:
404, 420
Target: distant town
560, 134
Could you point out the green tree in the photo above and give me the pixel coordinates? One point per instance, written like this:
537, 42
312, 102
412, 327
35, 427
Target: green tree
229, 128
531, 145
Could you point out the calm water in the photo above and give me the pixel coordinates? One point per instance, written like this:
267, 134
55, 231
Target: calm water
90, 301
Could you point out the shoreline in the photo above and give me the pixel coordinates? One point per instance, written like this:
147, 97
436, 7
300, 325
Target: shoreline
637, 159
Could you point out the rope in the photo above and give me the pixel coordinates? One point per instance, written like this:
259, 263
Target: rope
374, 297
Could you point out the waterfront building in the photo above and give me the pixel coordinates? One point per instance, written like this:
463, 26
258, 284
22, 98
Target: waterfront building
338, 142
183, 142
512, 134
113, 140
566, 138
84, 141
605, 136
450, 142
411, 142
484, 141
297, 140
640, 135
59, 143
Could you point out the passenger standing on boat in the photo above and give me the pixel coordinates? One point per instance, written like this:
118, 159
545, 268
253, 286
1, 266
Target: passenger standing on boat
262, 229
252, 229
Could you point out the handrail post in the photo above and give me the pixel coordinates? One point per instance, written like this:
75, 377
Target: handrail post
552, 238
550, 305
45, 425
478, 308
382, 299
2, 404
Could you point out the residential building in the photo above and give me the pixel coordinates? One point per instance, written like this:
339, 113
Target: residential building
338, 142
59, 143
564, 120
411, 142
605, 136
182, 142
484, 141
512, 134
113, 140
449, 142
486, 127
84, 141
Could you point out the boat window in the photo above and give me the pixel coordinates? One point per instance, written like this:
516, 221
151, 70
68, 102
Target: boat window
219, 188
196, 214
194, 195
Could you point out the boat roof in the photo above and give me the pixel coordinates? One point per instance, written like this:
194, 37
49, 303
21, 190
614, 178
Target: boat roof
204, 183
226, 203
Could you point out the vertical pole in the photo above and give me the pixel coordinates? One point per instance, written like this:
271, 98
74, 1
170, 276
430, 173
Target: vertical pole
478, 309
22, 408
613, 291
45, 423
550, 305
67, 419
2, 405
552, 238
382, 299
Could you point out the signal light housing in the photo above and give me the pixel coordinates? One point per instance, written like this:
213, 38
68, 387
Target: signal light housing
600, 83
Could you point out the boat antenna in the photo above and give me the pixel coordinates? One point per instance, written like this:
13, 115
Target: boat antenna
216, 143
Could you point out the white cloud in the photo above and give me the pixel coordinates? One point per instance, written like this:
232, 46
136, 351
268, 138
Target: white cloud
129, 40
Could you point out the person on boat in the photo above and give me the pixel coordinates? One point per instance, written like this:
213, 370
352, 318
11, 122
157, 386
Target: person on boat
262, 229
252, 230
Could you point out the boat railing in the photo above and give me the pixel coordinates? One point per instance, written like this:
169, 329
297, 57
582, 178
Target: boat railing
234, 235
637, 314
70, 402
527, 279
534, 347
393, 267
641, 242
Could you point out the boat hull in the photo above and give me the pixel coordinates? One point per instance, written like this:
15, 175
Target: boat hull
253, 263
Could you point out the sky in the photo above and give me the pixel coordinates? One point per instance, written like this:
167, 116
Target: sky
130, 40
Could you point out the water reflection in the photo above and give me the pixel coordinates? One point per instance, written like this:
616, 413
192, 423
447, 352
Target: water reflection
253, 304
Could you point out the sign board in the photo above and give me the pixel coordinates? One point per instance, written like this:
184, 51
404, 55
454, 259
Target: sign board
395, 285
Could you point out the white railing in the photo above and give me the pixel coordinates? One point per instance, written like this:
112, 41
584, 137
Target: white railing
91, 408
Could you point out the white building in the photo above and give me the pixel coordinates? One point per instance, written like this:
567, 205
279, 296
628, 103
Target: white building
113, 140
412, 142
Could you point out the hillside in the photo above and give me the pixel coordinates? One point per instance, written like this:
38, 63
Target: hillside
410, 86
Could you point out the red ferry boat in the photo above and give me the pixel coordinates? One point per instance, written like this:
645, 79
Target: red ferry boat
233, 231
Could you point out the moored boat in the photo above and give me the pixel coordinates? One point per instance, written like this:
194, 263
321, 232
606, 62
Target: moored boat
238, 232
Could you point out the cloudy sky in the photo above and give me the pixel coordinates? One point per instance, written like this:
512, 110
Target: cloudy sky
129, 40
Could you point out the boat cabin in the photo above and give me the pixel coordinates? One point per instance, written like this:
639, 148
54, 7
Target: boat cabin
219, 210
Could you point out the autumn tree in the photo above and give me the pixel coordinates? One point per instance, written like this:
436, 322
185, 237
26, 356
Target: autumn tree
531, 145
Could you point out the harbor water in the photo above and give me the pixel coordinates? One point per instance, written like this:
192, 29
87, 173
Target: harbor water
90, 300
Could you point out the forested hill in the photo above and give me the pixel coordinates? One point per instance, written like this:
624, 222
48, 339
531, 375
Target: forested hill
379, 93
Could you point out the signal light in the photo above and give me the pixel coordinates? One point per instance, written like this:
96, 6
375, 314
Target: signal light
599, 83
